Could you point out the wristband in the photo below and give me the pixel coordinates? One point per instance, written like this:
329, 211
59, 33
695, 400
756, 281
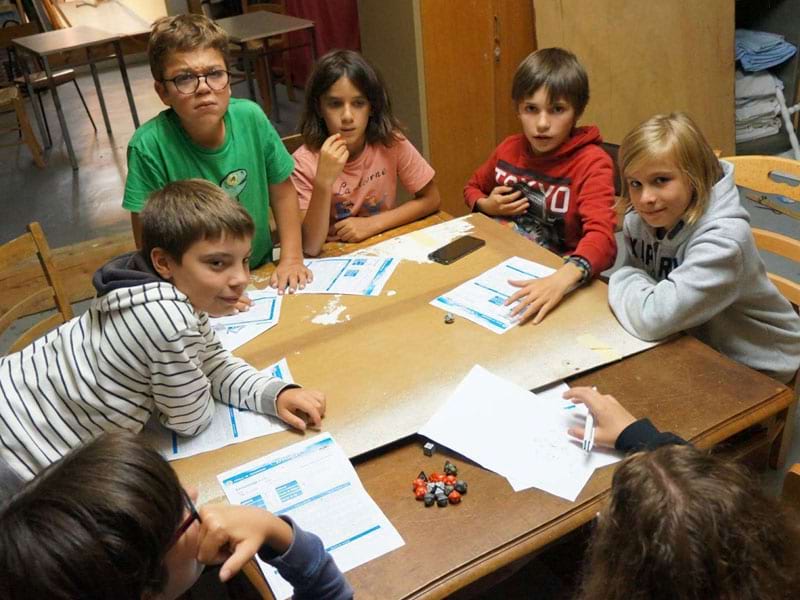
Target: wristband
582, 264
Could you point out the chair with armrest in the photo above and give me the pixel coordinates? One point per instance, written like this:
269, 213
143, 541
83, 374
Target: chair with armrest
32, 246
775, 175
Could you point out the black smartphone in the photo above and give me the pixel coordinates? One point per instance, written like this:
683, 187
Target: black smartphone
449, 253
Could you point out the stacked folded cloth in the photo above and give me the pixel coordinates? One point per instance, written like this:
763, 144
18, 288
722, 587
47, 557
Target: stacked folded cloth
757, 107
758, 50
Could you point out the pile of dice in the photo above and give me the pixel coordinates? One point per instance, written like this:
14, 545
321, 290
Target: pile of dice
438, 488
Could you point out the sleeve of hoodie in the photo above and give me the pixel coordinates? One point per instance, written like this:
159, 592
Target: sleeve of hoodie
482, 182
705, 283
595, 205
233, 381
308, 567
643, 435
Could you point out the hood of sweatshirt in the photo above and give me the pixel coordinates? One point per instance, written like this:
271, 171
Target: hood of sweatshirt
125, 271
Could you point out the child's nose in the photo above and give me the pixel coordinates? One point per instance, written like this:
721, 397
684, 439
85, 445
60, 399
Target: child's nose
240, 277
542, 122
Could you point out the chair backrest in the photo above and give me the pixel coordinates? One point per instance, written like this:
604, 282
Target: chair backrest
33, 246
292, 142
767, 174
784, 246
12, 32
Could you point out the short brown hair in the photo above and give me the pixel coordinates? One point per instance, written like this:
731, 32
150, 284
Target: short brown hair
183, 33
559, 72
684, 524
96, 524
382, 126
675, 138
183, 212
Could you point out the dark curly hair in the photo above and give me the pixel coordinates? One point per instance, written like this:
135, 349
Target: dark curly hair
96, 524
382, 127
686, 525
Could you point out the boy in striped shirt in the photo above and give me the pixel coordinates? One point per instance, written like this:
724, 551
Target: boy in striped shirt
145, 345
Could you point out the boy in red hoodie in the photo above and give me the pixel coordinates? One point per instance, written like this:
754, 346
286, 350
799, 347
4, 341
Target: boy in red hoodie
568, 168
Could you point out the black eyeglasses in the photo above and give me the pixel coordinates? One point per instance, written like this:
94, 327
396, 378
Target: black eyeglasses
187, 522
187, 83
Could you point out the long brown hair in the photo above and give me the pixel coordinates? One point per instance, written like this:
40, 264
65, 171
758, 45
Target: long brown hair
382, 127
96, 524
686, 525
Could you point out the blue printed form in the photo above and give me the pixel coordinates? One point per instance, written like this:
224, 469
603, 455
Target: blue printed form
229, 425
235, 330
314, 483
481, 300
356, 275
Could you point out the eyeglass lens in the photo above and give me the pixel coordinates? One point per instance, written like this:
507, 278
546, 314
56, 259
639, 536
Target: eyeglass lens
187, 83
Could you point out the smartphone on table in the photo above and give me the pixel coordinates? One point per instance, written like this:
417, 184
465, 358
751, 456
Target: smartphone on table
449, 253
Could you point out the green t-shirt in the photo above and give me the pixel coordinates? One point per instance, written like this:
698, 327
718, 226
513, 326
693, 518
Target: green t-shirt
250, 159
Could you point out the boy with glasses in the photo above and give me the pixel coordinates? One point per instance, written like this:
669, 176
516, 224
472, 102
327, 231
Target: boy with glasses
207, 134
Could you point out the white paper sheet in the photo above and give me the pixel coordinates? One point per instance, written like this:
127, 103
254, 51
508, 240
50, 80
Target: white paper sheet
358, 275
314, 483
481, 299
229, 425
517, 434
235, 330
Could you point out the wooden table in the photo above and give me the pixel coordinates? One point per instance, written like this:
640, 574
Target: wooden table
682, 385
43, 45
260, 25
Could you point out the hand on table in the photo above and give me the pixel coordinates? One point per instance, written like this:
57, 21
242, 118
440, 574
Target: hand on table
503, 201
232, 535
292, 273
354, 229
610, 417
301, 408
537, 297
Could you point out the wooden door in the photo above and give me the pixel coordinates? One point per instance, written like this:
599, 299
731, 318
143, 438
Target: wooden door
468, 84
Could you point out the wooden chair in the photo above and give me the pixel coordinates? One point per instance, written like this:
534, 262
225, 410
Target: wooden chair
10, 100
26, 247
775, 175
791, 486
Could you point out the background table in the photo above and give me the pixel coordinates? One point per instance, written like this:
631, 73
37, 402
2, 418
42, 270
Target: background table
43, 45
260, 25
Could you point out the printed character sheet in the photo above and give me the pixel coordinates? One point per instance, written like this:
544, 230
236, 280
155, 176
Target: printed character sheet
235, 330
314, 483
356, 275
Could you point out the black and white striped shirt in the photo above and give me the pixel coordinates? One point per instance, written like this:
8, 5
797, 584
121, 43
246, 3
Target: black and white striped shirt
135, 350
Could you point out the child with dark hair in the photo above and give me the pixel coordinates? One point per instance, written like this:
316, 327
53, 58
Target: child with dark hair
683, 524
111, 521
145, 345
566, 170
346, 172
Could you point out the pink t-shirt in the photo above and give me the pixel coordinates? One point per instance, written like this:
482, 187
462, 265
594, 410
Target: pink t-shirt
367, 185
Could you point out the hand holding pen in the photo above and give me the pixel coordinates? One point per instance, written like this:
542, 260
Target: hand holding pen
607, 417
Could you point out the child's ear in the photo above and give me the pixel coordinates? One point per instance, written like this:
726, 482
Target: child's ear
162, 262
161, 90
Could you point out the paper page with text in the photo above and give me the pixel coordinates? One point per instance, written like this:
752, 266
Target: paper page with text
314, 483
481, 299
235, 330
357, 275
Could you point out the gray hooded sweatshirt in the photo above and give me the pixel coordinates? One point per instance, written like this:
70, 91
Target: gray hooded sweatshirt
707, 279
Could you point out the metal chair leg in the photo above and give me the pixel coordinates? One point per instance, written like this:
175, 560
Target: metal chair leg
44, 116
88, 114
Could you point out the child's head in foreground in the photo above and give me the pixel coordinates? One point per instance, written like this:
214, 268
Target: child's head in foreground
684, 524
346, 95
551, 91
179, 49
198, 238
104, 522
668, 170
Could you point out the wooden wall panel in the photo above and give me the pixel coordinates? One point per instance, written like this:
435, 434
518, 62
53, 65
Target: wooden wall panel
458, 70
649, 57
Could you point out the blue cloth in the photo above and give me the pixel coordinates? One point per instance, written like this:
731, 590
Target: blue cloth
758, 50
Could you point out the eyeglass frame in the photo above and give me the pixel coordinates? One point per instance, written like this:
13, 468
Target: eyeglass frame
188, 521
197, 77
